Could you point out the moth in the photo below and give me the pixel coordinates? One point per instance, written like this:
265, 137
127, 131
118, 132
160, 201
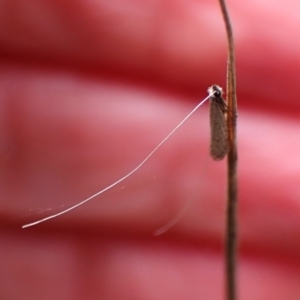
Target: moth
218, 124
218, 145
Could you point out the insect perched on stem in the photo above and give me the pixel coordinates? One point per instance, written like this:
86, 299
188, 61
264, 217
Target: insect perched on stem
219, 147
218, 126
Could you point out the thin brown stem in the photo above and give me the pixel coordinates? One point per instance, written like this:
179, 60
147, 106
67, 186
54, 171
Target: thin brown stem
231, 210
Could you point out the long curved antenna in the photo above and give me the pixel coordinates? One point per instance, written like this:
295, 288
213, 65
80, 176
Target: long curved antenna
123, 178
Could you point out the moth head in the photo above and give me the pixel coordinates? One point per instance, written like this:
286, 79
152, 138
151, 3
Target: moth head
215, 91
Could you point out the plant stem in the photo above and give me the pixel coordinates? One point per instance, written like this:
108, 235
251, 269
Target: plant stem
231, 210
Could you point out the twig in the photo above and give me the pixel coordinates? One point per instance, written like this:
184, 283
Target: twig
231, 222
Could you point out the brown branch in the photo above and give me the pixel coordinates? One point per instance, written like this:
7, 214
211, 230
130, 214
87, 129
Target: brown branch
231, 210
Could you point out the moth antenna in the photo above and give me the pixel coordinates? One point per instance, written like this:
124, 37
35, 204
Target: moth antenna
126, 176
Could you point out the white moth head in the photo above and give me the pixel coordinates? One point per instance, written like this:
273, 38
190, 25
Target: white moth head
215, 91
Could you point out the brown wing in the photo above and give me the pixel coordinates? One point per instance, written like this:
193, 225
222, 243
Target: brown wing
218, 129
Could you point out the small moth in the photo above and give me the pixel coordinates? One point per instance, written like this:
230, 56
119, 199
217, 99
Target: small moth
218, 126
218, 148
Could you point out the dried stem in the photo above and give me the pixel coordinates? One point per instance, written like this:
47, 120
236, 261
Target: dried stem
231, 222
